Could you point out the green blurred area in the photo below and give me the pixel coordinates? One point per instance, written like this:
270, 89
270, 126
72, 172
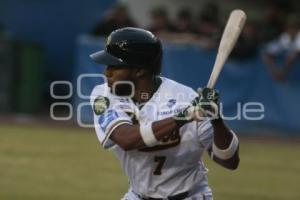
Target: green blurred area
68, 163
22, 76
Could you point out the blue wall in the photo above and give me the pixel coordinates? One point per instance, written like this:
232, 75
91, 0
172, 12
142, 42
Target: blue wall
55, 24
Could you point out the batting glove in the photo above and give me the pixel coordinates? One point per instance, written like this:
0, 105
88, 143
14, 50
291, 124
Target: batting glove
206, 105
209, 102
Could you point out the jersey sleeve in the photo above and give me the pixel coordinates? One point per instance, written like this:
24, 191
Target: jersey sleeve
107, 122
107, 118
205, 133
272, 48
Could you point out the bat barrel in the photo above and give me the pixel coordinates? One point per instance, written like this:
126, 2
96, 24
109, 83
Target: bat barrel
230, 35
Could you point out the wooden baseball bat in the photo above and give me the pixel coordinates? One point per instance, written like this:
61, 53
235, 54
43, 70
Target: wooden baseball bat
230, 35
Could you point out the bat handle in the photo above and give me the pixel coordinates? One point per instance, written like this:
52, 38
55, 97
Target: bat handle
211, 83
220, 61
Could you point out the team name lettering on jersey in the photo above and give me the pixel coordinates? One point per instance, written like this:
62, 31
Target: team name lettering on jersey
166, 142
107, 117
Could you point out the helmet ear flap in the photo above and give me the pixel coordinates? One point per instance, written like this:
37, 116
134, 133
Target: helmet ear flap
157, 67
160, 63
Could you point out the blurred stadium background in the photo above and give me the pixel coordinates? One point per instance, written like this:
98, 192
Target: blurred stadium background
44, 67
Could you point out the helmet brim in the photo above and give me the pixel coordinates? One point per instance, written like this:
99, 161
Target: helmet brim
103, 57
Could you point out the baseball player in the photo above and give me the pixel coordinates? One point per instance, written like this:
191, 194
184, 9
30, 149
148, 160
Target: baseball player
158, 128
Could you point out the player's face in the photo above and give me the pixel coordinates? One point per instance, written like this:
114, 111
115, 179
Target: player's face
114, 74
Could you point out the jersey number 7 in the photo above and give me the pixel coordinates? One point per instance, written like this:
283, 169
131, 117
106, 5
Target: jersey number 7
160, 160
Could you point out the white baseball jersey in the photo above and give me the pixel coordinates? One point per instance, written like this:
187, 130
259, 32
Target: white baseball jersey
285, 43
174, 166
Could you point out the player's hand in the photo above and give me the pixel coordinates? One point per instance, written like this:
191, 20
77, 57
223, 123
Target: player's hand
208, 103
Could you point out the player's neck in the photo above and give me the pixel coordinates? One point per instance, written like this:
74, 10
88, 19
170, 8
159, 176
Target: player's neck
145, 89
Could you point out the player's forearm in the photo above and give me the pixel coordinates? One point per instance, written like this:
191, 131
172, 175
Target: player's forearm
270, 63
222, 135
226, 151
290, 60
231, 163
164, 127
129, 137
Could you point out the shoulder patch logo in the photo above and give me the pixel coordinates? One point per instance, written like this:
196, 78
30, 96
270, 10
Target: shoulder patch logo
171, 103
101, 103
